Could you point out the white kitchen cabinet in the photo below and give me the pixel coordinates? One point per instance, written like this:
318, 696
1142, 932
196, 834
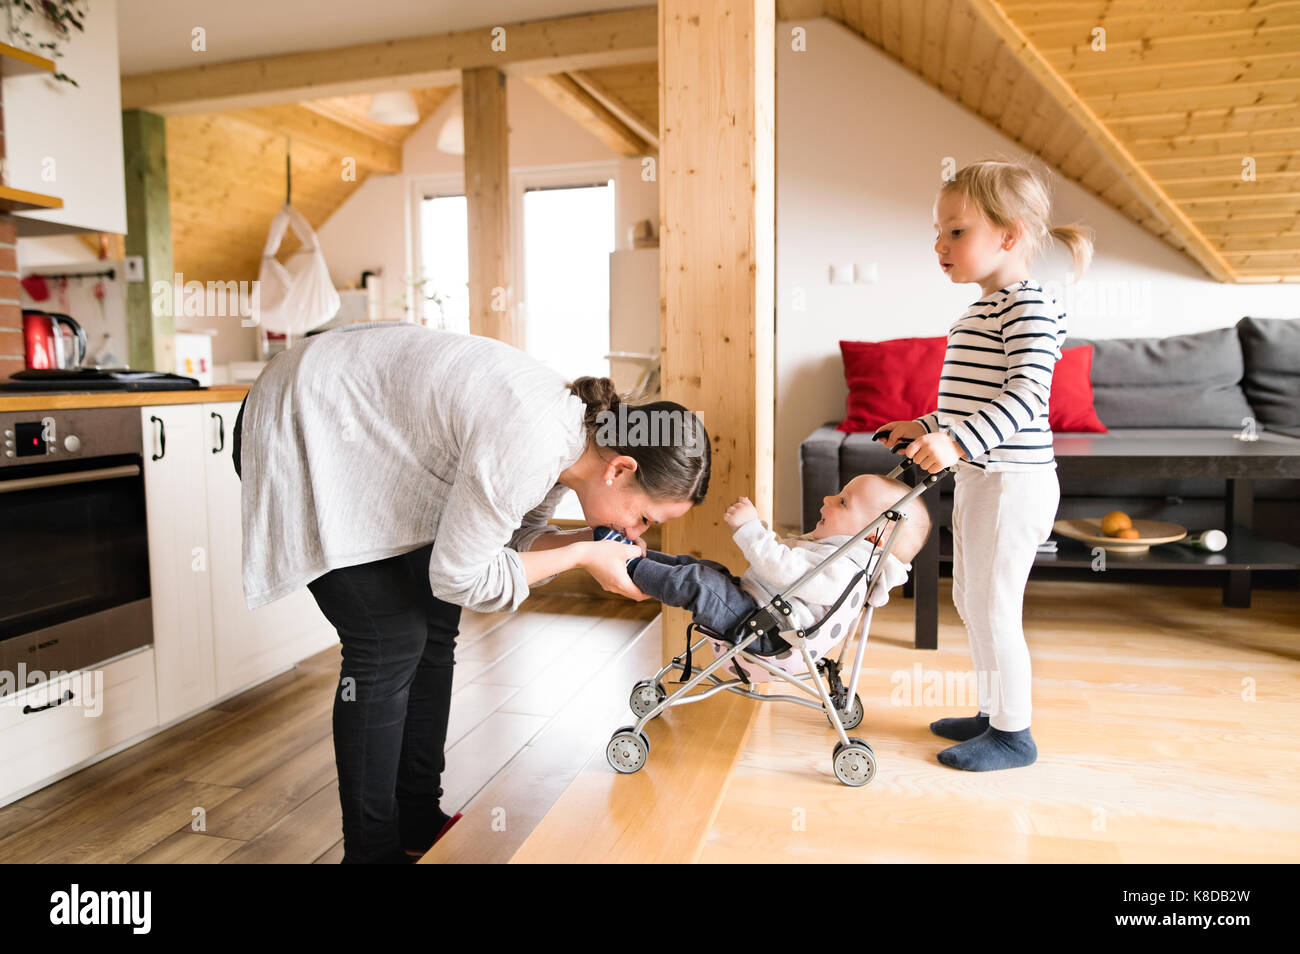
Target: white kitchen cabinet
175, 473
249, 644
50, 728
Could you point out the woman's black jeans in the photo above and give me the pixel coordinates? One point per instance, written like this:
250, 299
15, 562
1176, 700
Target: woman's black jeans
392, 702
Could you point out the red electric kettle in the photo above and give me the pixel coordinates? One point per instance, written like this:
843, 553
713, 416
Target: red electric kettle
44, 340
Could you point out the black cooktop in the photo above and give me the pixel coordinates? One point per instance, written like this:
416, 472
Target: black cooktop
96, 379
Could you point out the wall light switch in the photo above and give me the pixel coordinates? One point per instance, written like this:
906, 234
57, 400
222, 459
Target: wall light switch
842, 274
868, 274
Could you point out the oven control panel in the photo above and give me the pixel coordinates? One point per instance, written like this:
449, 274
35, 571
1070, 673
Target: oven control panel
32, 437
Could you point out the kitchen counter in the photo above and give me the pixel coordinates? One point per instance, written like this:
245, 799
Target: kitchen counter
56, 400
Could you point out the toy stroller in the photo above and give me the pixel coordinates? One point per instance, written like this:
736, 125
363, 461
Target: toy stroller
799, 657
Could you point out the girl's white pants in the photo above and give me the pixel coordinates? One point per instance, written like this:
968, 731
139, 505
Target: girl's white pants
998, 520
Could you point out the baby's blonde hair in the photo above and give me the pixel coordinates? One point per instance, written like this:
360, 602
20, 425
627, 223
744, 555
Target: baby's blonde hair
1004, 192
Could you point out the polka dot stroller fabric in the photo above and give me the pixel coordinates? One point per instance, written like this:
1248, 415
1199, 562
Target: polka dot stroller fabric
830, 634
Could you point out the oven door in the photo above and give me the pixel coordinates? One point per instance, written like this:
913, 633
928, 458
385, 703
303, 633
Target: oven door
74, 566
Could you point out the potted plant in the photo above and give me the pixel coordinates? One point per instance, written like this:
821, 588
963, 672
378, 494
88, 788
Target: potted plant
57, 19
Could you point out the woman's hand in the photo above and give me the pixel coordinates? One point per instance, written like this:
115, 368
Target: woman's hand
740, 513
606, 561
900, 430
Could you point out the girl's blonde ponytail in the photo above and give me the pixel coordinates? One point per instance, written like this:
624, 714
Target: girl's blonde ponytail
1014, 197
1078, 240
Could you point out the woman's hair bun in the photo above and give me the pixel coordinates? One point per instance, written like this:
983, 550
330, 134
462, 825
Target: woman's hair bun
598, 394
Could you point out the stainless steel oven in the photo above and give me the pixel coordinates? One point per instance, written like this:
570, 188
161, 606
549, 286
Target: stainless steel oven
74, 557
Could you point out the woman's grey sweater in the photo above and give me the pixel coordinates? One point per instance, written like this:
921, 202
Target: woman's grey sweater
373, 440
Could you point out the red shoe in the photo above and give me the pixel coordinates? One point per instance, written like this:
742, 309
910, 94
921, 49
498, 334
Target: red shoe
420, 853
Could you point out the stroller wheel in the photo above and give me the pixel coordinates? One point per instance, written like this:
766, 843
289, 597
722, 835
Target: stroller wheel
855, 763
627, 750
851, 717
645, 696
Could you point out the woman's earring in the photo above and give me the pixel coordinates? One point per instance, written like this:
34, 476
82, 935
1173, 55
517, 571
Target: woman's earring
609, 483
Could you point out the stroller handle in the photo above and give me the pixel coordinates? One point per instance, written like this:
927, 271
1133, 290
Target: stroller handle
899, 447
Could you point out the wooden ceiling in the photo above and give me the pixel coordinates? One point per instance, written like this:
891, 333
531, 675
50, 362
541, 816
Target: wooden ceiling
1157, 124
226, 174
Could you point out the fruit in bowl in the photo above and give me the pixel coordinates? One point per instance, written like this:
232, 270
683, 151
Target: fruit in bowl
1115, 522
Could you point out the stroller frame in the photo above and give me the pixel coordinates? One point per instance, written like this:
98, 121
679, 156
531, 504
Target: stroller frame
852, 760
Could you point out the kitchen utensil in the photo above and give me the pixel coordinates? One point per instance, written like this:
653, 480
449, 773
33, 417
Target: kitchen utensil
72, 340
38, 340
36, 287
52, 340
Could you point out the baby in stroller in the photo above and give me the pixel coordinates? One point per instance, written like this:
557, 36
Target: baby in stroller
718, 600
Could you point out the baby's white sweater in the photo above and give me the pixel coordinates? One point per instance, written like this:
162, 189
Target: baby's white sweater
776, 562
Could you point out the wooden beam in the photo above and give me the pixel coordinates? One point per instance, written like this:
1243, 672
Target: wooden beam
716, 256
563, 92
298, 123
620, 110
1115, 151
487, 195
150, 338
538, 46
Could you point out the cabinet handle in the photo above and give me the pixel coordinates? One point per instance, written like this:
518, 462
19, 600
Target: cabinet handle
162, 437
66, 697
221, 432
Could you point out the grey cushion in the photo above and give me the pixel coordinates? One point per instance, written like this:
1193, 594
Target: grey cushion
1181, 381
1271, 347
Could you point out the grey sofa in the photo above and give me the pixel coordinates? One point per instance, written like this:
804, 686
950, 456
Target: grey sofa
1159, 392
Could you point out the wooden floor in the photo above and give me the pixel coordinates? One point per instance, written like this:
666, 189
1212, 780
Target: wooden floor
1166, 726
261, 765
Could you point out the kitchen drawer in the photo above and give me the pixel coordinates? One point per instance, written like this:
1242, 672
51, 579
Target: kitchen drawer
36, 746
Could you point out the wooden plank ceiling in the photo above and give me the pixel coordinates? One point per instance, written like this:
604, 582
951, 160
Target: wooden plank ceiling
1158, 124
226, 174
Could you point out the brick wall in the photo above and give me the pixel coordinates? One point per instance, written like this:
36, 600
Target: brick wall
11, 312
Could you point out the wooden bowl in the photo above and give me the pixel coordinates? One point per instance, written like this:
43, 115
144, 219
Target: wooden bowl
1152, 532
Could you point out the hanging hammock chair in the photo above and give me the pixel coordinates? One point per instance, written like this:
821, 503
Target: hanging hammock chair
295, 297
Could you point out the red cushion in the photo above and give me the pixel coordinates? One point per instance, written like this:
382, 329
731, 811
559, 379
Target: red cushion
1069, 406
898, 380
895, 380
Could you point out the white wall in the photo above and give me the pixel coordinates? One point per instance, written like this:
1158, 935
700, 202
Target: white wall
860, 140
73, 133
371, 230
368, 232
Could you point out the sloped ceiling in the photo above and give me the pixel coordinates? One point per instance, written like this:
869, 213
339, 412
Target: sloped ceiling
1154, 106
1184, 116
226, 174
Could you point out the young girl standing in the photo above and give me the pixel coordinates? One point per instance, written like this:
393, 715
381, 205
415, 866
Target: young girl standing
992, 220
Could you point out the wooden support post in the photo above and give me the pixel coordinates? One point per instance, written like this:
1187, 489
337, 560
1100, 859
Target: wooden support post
716, 206
150, 338
487, 198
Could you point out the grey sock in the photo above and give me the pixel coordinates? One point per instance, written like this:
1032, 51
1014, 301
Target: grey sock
961, 729
994, 749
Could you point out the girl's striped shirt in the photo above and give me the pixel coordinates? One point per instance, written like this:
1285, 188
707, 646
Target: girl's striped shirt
997, 376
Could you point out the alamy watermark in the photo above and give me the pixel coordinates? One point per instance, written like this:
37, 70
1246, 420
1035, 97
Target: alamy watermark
948, 688
195, 299
81, 688
650, 427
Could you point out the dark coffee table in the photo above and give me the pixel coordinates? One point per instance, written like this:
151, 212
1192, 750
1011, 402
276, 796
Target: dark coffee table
1211, 453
